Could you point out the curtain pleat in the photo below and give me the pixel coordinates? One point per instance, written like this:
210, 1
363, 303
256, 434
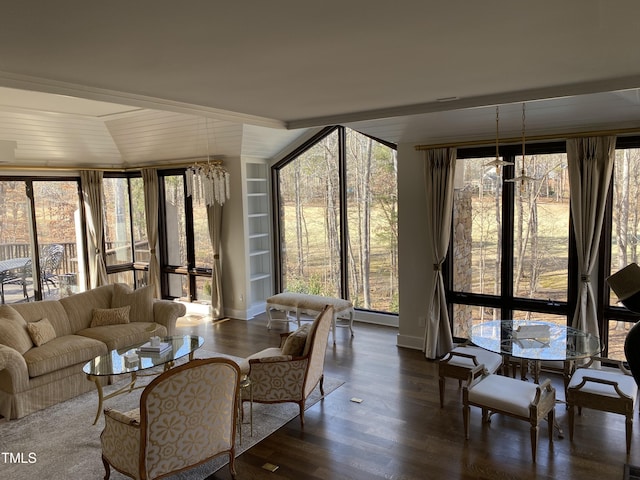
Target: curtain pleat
92, 194
151, 210
439, 178
590, 162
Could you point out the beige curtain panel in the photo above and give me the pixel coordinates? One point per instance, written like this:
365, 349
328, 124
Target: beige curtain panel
214, 219
590, 162
91, 184
151, 209
439, 177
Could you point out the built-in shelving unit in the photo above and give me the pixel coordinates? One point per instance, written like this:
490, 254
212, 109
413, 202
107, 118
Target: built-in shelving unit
259, 236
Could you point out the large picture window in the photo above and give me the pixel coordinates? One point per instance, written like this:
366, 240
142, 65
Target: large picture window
41, 239
513, 251
336, 207
510, 244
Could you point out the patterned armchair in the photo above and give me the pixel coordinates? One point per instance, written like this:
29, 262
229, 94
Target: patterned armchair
187, 416
291, 372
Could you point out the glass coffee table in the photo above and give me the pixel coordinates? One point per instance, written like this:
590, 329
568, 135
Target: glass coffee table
120, 362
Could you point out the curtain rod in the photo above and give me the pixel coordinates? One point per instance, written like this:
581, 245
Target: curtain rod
534, 138
183, 162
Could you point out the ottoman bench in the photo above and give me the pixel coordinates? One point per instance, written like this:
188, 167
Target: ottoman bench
509, 396
303, 303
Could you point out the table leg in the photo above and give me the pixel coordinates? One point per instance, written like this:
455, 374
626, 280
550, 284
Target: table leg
269, 319
101, 397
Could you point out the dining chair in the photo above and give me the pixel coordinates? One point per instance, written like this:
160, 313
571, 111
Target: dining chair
597, 386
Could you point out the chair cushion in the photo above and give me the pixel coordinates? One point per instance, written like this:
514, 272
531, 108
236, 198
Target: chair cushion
492, 361
41, 332
110, 316
13, 330
504, 393
626, 383
294, 344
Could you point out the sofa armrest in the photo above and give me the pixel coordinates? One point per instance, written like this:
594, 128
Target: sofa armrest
166, 312
16, 367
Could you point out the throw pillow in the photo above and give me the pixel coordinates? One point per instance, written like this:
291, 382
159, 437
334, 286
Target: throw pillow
13, 330
294, 344
41, 331
140, 301
110, 316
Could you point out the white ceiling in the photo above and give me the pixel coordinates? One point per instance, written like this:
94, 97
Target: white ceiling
125, 83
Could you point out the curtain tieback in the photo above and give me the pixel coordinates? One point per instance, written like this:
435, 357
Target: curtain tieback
152, 251
98, 251
437, 267
216, 257
584, 278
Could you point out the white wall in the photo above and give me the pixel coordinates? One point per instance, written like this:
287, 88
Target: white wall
414, 246
234, 279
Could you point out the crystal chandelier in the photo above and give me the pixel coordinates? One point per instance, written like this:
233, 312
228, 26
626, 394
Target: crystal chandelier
208, 182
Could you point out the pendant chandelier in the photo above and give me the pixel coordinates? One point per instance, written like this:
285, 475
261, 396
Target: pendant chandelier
208, 182
498, 162
523, 177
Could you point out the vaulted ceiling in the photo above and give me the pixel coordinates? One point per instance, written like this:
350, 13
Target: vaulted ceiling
123, 83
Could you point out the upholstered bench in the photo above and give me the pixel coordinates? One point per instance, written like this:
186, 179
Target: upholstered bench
509, 396
302, 303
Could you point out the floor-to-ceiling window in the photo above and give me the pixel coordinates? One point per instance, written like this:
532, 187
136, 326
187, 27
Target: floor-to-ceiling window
41, 239
510, 237
336, 204
512, 248
125, 230
622, 229
187, 255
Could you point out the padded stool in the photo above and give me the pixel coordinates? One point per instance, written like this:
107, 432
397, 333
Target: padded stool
512, 397
459, 361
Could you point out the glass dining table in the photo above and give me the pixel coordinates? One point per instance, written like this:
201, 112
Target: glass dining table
534, 342
548, 341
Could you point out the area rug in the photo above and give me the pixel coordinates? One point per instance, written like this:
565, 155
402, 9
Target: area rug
61, 442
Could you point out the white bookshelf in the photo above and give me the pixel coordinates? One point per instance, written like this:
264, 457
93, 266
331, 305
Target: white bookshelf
259, 235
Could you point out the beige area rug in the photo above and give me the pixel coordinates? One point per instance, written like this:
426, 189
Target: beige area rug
60, 442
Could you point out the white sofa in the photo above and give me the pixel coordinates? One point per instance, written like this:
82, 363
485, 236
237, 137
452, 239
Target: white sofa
34, 377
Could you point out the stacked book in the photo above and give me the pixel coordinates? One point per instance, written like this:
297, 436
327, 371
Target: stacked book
159, 349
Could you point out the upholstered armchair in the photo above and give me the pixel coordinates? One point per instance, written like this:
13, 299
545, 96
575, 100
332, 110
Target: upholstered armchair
187, 416
291, 372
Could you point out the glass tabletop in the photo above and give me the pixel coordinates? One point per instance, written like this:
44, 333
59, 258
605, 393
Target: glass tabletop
119, 361
551, 341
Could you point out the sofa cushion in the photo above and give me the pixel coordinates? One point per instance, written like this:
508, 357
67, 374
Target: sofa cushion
62, 352
140, 301
41, 332
51, 309
13, 330
110, 316
125, 335
79, 307
294, 344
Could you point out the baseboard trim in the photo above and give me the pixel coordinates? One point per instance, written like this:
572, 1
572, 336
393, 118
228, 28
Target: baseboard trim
407, 341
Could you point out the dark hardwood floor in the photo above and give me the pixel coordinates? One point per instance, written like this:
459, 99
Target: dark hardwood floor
399, 430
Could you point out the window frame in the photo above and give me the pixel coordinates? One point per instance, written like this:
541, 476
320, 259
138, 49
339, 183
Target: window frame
343, 209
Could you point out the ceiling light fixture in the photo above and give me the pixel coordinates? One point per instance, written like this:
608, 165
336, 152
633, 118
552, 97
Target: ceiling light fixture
498, 162
208, 182
523, 177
